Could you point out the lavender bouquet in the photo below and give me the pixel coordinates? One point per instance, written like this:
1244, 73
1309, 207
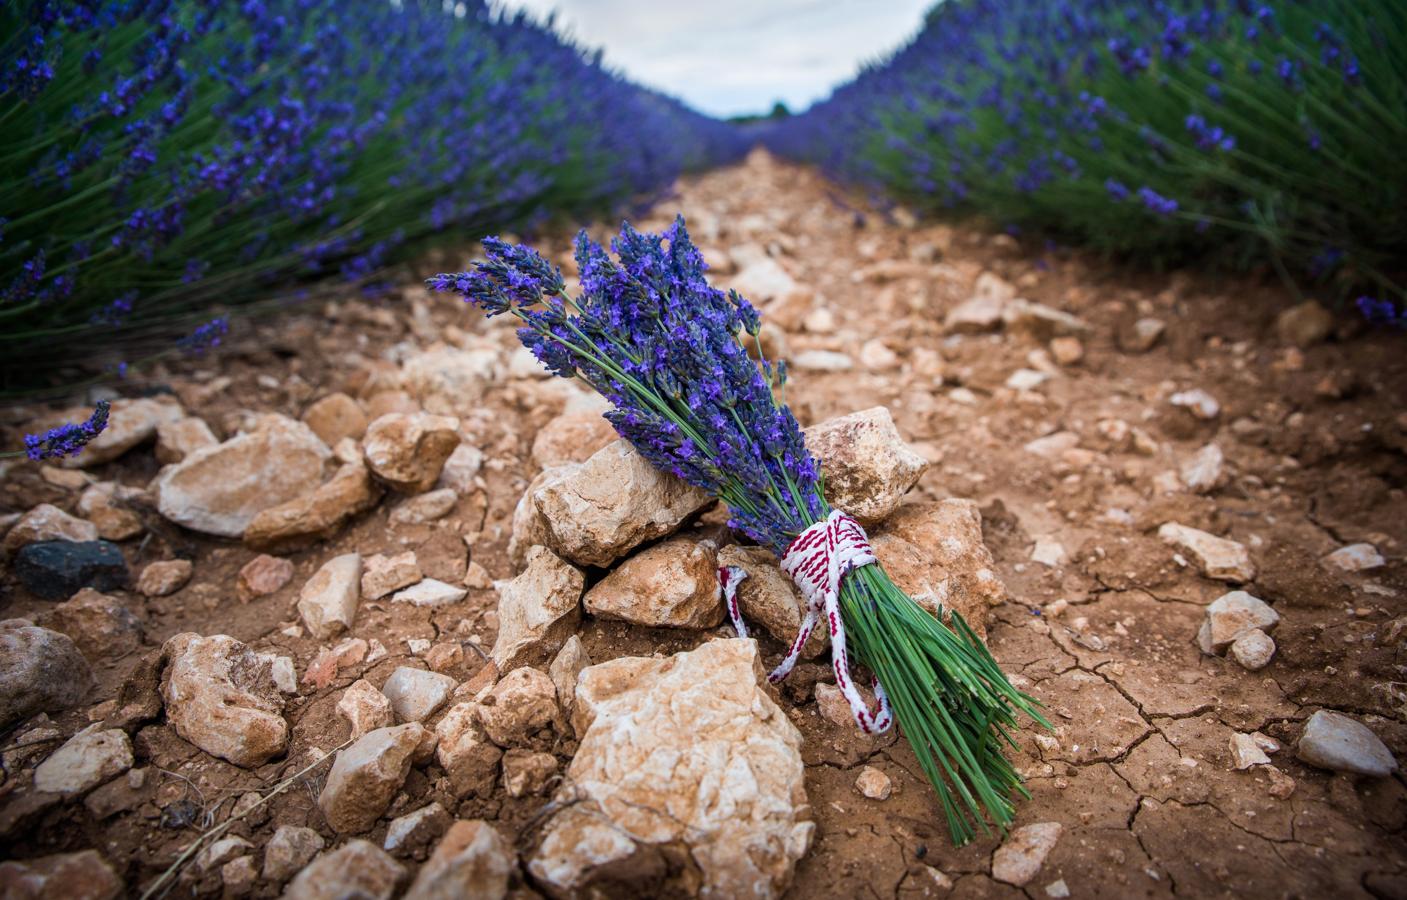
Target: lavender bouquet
671, 354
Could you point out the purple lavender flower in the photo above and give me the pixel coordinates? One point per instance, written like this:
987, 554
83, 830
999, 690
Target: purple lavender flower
1325, 261
25, 284
513, 277
205, 337
1132, 59
1209, 137
1163, 206
116, 312
194, 271
1381, 312
1352, 74
68, 439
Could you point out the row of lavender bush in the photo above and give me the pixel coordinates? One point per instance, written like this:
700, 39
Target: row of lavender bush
160, 156
1247, 131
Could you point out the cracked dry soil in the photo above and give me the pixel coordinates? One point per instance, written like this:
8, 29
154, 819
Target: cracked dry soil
1103, 631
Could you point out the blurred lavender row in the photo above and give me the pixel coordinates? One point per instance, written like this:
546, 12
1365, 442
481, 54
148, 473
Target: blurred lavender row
1244, 133
161, 156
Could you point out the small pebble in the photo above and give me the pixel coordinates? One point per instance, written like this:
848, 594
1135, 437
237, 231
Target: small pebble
874, 784
164, 577
1253, 650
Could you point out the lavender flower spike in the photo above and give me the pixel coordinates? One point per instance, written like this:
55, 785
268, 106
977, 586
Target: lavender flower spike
206, 336
68, 439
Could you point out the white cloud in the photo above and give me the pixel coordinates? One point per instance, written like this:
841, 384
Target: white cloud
727, 57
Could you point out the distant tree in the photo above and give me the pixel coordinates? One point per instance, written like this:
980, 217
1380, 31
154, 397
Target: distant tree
779, 111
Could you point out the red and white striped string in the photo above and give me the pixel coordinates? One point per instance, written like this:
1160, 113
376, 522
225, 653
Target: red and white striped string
817, 561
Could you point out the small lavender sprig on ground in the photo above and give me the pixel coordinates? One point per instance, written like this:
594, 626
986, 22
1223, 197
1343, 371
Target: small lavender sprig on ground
68, 439
671, 354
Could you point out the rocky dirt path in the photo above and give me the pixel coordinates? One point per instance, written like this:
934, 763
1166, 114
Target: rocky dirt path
1151, 481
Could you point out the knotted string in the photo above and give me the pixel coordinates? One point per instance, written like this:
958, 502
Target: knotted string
817, 561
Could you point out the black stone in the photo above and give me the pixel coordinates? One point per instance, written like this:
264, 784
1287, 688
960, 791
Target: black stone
56, 570
181, 814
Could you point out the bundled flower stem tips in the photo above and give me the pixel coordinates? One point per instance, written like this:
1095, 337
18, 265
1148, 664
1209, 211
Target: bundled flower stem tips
671, 354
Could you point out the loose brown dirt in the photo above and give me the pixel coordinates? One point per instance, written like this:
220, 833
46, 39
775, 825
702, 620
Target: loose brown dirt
1140, 774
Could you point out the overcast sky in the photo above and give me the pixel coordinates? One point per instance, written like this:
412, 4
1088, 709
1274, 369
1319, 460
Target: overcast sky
727, 57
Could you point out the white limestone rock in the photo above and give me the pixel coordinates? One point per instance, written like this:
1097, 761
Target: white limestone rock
415, 694
221, 696
328, 601
1332, 740
687, 751
1217, 558
537, 611
91, 757
219, 490
599, 511
868, 467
